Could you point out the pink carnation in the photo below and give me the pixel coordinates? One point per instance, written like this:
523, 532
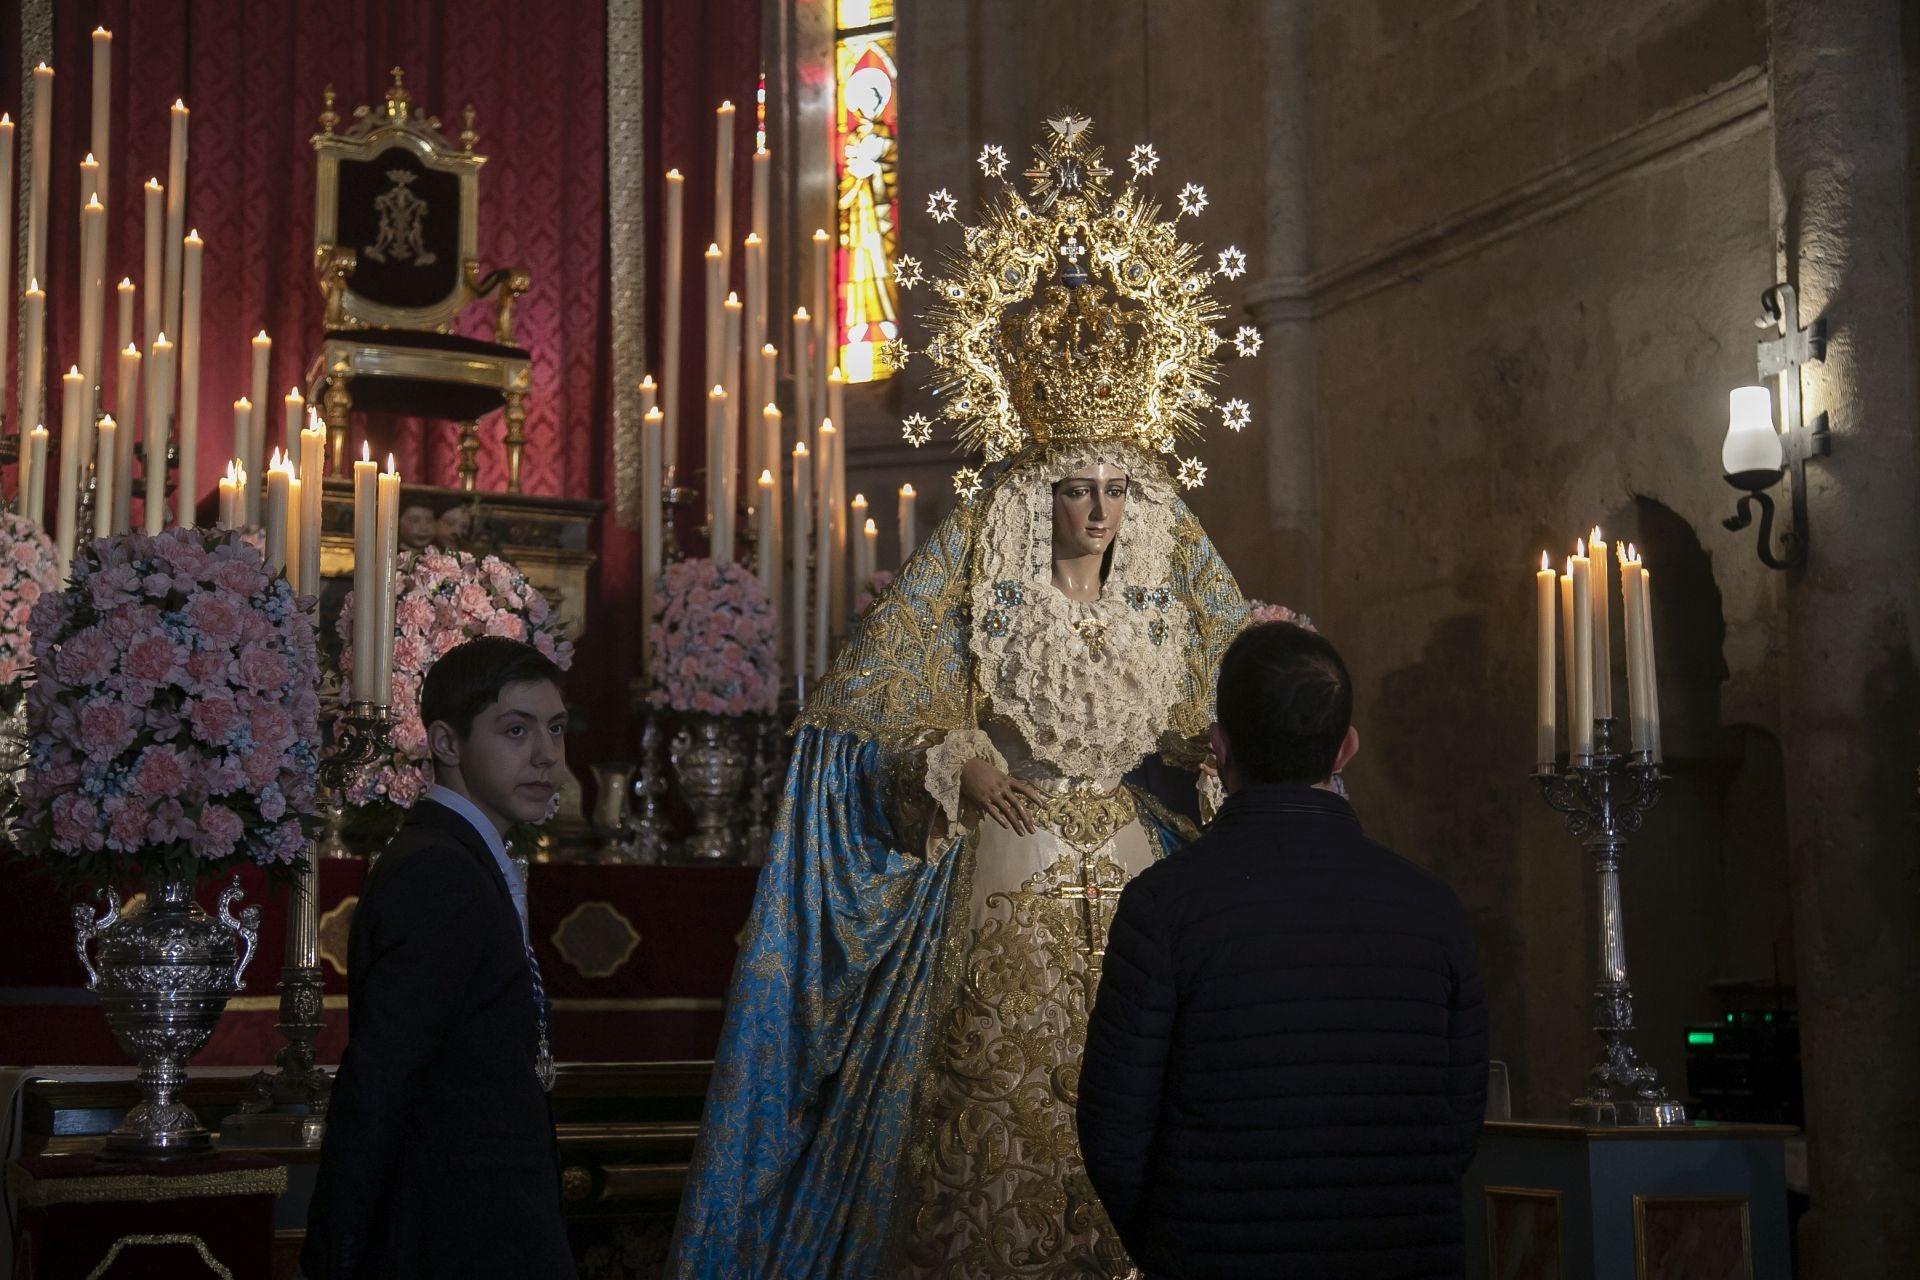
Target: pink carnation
220, 831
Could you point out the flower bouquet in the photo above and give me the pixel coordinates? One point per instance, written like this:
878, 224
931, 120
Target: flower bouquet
29, 569
442, 599
1261, 611
715, 641
877, 582
173, 730
172, 713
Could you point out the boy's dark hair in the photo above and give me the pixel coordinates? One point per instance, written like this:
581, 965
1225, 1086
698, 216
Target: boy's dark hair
469, 677
1285, 701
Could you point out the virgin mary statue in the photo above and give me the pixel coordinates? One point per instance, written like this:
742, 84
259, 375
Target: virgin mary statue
894, 1089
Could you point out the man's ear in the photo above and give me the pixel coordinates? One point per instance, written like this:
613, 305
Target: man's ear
444, 744
1217, 739
1349, 748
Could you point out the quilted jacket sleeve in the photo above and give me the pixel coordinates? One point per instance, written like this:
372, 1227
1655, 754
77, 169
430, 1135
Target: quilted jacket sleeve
1122, 1078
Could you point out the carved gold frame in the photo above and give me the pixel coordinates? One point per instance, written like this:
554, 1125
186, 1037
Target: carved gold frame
397, 125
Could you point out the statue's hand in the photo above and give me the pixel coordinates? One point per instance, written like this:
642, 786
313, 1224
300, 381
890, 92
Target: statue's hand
998, 795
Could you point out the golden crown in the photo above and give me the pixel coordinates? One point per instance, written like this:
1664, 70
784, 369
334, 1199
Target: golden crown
1071, 314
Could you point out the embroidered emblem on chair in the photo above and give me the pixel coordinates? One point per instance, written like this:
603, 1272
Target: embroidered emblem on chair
403, 218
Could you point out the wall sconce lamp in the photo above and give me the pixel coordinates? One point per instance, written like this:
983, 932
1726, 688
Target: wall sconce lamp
1755, 455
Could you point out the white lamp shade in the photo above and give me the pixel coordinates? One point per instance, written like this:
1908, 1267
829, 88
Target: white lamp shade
1752, 444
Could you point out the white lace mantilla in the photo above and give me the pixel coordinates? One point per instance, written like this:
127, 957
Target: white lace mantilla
1090, 687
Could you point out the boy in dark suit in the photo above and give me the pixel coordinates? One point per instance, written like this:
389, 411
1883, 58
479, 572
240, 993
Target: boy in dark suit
440, 1158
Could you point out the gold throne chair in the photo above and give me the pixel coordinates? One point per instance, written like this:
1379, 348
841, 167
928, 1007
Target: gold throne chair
396, 218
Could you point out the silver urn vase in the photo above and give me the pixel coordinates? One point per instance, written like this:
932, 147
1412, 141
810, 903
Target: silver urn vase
710, 764
164, 971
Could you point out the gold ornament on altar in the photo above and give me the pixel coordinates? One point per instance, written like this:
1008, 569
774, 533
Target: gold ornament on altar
1075, 315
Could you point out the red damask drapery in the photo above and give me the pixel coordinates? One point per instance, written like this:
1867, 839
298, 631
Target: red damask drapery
252, 75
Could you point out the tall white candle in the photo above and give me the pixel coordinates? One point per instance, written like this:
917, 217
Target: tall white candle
187, 493
124, 294
762, 192
803, 373
763, 531
670, 315
6, 274
107, 455
33, 354
747, 369
1636, 676
39, 179
293, 418
386, 547
824, 571
159, 425
719, 499
716, 296
313, 470
176, 215
294, 496
649, 395
93, 248
870, 550
770, 391
33, 476
799, 618
842, 538
152, 277
770, 449
1651, 666
279, 480
101, 122
228, 487
652, 524
258, 395
72, 408
1544, 587
723, 125
1602, 626
1566, 648
1582, 728
861, 569
128, 390
366, 574
730, 321
910, 527
243, 447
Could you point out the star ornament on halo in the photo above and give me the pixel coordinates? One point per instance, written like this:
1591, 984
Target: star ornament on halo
992, 160
1193, 198
1193, 473
907, 271
1144, 160
1236, 414
942, 205
894, 353
1233, 263
917, 429
1247, 340
966, 483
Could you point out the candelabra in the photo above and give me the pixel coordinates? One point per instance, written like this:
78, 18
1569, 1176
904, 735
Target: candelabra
287, 1106
1604, 798
649, 813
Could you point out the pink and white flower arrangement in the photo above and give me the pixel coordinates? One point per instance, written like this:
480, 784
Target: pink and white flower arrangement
29, 569
715, 641
173, 714
442, 600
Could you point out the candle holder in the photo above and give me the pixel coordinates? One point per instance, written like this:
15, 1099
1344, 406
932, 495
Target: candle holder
649, 811
1604, 798
674, 499
287, 1106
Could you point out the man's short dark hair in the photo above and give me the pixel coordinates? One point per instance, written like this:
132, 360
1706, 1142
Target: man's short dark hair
469, 677
1285, 701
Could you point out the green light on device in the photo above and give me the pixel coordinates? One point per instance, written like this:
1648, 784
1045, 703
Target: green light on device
1699, 1037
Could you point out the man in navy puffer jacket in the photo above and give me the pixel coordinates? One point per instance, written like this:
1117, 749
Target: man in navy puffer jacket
1286, 1064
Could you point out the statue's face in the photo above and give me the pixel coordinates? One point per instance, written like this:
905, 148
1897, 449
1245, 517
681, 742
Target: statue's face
416, 527
454, 525
1087, 509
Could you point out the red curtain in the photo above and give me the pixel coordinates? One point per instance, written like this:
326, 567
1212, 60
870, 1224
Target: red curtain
253, 75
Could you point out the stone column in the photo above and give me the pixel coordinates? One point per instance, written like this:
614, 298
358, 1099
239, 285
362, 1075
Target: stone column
1852, 697
1282, 307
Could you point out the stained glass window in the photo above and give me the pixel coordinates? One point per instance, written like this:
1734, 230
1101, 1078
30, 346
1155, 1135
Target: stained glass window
866, 300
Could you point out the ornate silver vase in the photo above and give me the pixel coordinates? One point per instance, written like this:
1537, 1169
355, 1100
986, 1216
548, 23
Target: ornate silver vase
164, 971
710, 764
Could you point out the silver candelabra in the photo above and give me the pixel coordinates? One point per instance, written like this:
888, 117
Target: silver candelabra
1604, 798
